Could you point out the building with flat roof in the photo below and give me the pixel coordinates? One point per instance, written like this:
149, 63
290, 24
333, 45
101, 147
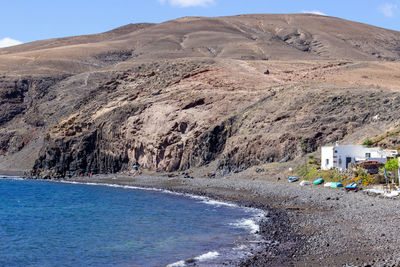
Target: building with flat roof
341, 156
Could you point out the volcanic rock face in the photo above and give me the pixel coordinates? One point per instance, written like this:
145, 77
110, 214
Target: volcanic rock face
188, 92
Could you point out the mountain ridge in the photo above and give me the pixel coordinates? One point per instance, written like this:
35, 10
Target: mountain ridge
192, 92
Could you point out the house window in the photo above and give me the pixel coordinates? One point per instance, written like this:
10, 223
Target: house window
340, 161
327, 161
367, 155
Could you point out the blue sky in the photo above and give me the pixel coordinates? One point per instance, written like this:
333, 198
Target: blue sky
30, 20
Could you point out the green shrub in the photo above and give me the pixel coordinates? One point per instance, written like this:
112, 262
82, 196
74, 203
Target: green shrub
393, 133
310, 172
392, 164
368, 143
313, 162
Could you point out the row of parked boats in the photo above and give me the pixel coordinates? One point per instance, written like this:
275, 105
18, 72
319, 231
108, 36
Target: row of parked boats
320, 181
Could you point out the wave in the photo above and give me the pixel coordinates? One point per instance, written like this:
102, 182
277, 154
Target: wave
205, 200
241, 247
11, 177
177, 264
207, 256
204, 257
248, 224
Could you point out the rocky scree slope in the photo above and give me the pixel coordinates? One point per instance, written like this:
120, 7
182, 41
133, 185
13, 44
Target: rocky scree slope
169, 117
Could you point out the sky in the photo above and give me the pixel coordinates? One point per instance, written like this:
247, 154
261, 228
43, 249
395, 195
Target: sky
24, 21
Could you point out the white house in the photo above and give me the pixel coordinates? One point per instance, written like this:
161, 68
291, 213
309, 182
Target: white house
341, 156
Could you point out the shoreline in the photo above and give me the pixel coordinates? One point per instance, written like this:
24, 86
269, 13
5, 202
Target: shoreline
256, 254
305, 225
249, 241
310, 225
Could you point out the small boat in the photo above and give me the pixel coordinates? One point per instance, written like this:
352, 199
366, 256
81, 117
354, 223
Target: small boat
318, 181
328, 184
336, 185
304, 183
351, 187
293, 179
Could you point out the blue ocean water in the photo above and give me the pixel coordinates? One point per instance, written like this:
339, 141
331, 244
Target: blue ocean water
58, 224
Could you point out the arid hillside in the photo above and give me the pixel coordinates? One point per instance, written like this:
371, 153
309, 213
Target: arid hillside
195, 91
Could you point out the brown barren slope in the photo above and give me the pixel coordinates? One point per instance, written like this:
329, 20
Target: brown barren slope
190, 92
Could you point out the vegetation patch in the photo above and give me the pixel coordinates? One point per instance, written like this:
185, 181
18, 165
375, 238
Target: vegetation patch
382, 138
312, 170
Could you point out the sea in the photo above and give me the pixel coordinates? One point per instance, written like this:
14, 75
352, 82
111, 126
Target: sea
69, 224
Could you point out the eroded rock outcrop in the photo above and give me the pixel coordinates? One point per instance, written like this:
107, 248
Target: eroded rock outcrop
19, 97
193, 91
151, 115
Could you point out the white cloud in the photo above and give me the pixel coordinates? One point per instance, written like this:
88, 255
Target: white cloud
5, 42
388, 9
315, 12
188, 3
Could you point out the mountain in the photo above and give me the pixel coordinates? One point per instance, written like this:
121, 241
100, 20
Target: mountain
194, 92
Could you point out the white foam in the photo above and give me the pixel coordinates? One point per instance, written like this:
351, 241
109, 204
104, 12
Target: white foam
177, 264
116, 185
249, 224
207, 256
205, 200
11, 177
241, 247
219, 203
204, 257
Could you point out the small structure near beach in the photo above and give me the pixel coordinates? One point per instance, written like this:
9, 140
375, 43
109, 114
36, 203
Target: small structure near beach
340, 157
371, 166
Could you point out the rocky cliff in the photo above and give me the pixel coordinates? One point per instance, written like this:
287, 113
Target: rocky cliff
194, 91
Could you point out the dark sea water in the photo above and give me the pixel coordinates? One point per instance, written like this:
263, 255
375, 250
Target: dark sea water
59, 224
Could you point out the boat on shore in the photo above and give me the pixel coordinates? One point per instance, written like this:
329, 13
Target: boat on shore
304, 183
336, 185
351, 187
293, 179
318, 181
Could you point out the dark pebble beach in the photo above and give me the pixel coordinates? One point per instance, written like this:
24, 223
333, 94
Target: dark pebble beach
303, 226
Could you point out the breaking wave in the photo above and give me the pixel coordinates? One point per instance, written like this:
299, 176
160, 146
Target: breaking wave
204, 257
205, 200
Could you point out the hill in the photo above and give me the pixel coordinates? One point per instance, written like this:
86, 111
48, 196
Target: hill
192, 93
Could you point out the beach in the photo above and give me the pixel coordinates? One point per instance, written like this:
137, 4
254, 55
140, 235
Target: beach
303, 226
212, 106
